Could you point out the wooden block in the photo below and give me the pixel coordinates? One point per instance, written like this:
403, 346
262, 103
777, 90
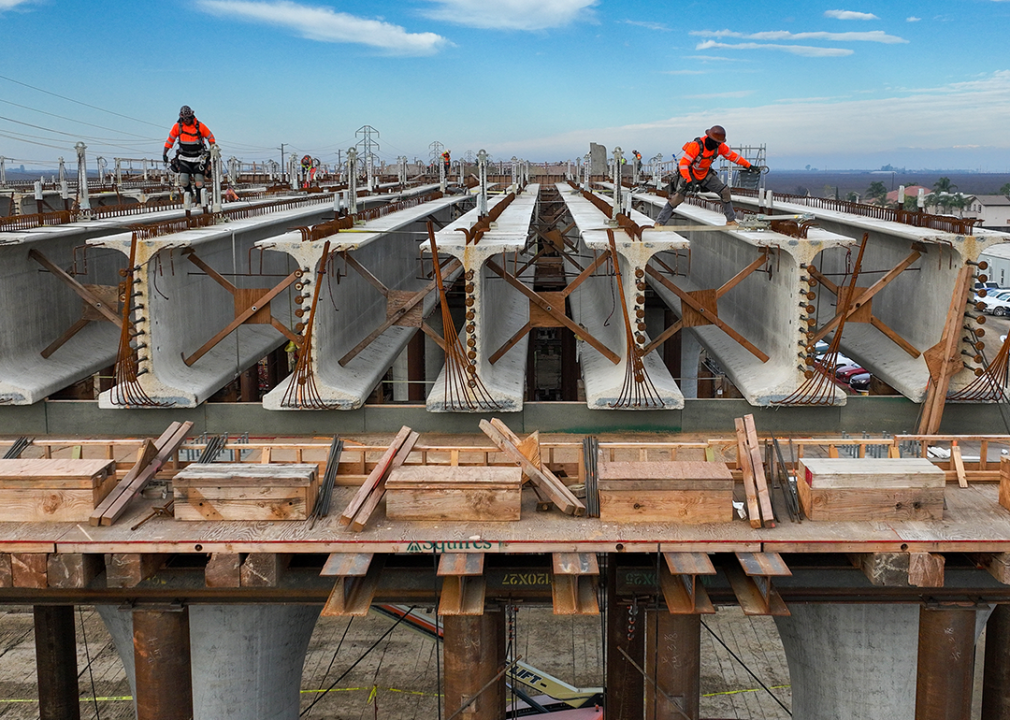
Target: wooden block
1004, 482
884, 569
871, 489
54, 473
30, 570
681, 506
263, 569
223, 570
750, 489
490, 494
48, 490
6, 571
999, 567
74, 570
958, 462
245, 492
925, 569
127, 570
671, 475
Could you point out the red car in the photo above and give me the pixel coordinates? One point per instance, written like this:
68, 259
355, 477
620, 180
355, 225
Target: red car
845, 372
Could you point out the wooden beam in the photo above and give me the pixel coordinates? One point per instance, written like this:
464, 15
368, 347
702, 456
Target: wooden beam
127, 570
742, 275
263, 569
347, 516
30, 570
925, 569
73, 570
372, 501
223, 570
746, 467
883, 569
894, 336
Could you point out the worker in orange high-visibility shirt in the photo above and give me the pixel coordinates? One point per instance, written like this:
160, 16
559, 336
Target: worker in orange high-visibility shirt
190, 160
446, 162
695, 173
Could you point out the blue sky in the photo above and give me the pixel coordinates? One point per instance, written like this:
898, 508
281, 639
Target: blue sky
830, 84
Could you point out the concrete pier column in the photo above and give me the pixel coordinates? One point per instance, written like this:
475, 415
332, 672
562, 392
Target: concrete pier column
690, 357
625, 686
161, 651
416, 391
946, 663
56, 659
474, 648
673, 660
247, 660
851, 661
996, 680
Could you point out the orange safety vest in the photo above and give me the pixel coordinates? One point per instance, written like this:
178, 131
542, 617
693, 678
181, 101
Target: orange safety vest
697, 159
190, 137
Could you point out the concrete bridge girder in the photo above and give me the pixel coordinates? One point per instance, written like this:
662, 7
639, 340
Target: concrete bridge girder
350, 308
182, 308
596, 306
765, 308
499, 310
914, 305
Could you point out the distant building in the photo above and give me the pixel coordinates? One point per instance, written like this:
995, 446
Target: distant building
910, 191
993, 210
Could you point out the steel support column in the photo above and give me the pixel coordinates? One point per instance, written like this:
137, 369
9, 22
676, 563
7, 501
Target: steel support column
673, 662
625, 696
996, 680
416, 390
56, 658
946, 663
474, 648
161, 653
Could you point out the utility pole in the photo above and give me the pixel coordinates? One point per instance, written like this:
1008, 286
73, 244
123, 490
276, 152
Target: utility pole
368, 147
282, 156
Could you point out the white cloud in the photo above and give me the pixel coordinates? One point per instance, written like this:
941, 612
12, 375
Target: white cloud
929, 118
511, 14
871, 36
849, 15
715, 58
804, 50
326, 25
683, 72
913, 18
11, 4
648, 25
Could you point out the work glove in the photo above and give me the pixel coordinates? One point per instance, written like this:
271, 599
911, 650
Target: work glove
693, 187
164, 156
752, 169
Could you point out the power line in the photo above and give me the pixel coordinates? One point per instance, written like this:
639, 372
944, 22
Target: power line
63, 117
64, 97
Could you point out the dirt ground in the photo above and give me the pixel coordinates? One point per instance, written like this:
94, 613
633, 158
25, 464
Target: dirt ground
397, 681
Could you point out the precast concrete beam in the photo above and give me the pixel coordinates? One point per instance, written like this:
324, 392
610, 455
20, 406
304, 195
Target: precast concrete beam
855, 661
181, 305
597, 308
352, 344
913, 305
763, 302
495, 310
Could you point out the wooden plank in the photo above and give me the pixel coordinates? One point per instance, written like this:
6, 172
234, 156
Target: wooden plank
346, 565
245, 492
54, 473
460, 564
760, 482
115, 504
374, 478
870, 473
750, 490
372, 501
998, 566
1004, 482
263, 569
859, 504
689, 563
223, 570
196, 508
73, 570
680, 506
575, 564
30, 570
48, 505
544, 479
127, 570
688, 470
925, 569
958, 461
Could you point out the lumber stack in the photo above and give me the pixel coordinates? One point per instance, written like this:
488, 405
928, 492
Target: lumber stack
49, 490
755, 483
680, 491
245, 491
486, 494
367, 498
871, 489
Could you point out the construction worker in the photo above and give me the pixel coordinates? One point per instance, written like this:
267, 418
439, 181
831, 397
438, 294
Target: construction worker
696, 173
638, 160
446, 162
190, 159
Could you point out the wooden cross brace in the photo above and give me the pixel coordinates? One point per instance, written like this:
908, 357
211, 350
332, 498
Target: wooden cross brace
700, 307
101, 302
860, 307
551, 306
252, 306
402, 307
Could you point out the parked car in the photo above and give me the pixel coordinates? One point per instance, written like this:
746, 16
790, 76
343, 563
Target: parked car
989, 287
847, 371
997, 303
860, 381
